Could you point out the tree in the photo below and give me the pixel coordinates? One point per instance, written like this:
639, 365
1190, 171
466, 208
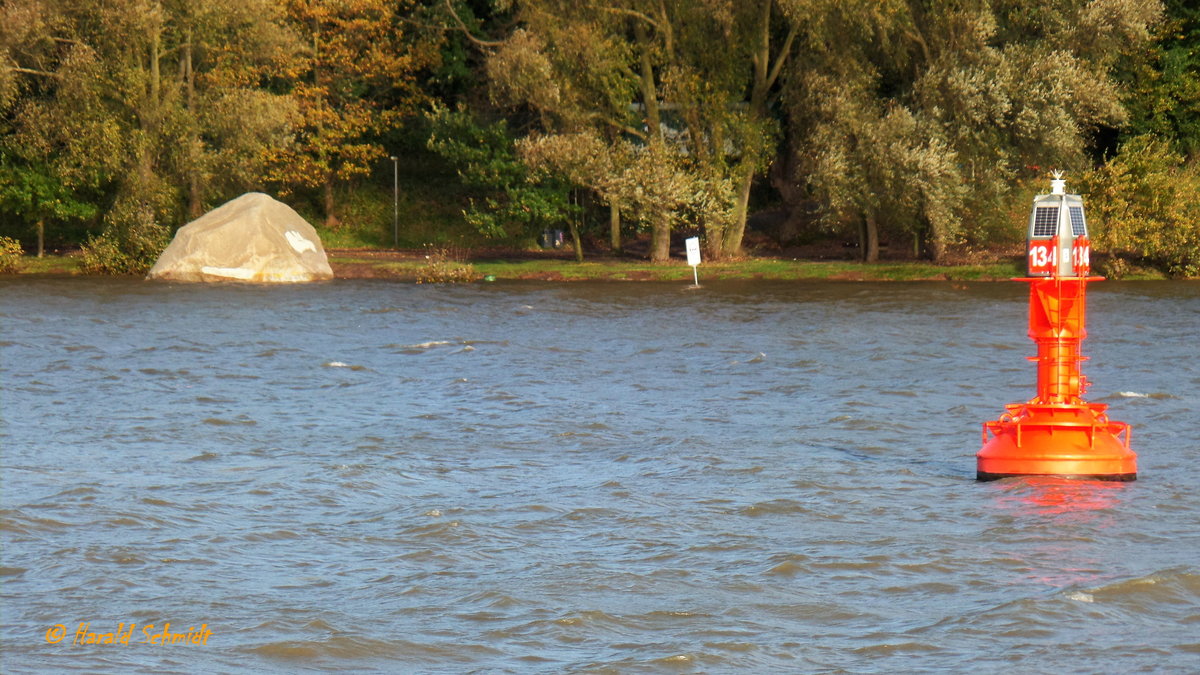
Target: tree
31, 191
357, 80
231, 56
930, 112
723, 106
518, 201
127, 104
1162, 81
1142, 204
645, 72
566, 68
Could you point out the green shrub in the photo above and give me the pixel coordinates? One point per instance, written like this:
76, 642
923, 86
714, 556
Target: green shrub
11, 255
1142, 205
129, 244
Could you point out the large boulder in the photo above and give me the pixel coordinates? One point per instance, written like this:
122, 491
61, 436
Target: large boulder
252, 238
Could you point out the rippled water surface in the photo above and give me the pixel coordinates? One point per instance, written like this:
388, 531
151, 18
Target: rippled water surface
617, 478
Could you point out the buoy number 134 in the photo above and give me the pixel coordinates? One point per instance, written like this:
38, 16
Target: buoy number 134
1043, 256
1080, 255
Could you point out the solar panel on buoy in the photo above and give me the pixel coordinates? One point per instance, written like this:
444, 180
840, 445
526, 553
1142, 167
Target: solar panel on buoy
1078, 227
1045, 221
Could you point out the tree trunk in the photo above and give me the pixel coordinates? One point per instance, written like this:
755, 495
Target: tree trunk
931, 238
766, 72
331, 219
155, 82
195, 205
576, 241
714, 242
737, 230
614, 226
937, 247
649, 90
869, 240
195, 193
660, 239
41, 234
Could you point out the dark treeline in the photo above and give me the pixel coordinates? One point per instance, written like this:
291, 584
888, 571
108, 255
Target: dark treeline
921, 123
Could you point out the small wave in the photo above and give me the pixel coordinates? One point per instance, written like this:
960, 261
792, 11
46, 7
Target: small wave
341, 364
336, 647
1173, 586
1157, 396
422, 347
83, 490
678, 659
17, 522
896, 648
591, 618
787, 569
218, 422
276, 535
776, 506
352, 647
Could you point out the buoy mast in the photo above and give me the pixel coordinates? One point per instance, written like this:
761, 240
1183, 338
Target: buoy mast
1057, 433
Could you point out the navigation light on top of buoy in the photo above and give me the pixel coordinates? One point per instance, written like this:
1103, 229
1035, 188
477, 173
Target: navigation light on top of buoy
1057, 433
1058, 240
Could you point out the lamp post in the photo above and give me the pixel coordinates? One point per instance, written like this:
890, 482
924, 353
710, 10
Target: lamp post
395, 202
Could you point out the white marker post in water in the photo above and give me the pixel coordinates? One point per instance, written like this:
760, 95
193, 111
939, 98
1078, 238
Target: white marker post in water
693, 254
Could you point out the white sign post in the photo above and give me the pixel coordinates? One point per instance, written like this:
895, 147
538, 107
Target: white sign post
693, 254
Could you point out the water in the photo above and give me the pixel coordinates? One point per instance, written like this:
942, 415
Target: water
619, 478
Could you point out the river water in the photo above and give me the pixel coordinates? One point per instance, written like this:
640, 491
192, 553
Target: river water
548, 478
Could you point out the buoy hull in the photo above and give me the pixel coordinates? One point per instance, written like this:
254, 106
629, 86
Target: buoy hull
1071, 441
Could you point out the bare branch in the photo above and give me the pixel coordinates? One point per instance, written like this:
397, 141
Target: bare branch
30, 71
467, 31
167, 52
667, 29
781, 57
625, 128
629, 12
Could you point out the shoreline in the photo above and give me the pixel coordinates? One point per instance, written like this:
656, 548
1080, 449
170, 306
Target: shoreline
413, 266
547, 266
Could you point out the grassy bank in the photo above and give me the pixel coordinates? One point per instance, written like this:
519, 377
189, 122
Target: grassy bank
414, 264
355, 264
53, 265
410, 266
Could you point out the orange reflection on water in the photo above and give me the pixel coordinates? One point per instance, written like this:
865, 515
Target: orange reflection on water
1058, 526
1054, 495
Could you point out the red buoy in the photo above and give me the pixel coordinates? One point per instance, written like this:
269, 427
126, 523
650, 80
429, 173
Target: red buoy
1057, 433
